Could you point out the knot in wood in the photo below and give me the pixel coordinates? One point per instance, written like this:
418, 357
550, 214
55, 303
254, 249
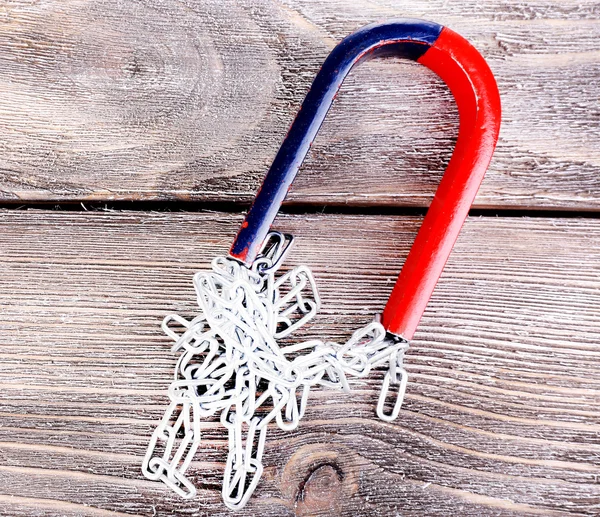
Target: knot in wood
319, 478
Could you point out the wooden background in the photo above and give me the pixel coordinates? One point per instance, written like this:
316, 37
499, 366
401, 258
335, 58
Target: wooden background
183, 104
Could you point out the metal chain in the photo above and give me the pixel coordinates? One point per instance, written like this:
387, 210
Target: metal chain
231, 363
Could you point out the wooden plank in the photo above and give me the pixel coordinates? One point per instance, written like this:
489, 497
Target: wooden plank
126, 100
501, 415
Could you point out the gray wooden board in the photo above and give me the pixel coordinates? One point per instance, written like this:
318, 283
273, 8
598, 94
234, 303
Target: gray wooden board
124, 99
501, 415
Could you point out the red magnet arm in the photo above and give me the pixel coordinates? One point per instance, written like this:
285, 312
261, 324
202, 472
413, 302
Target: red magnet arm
474, 88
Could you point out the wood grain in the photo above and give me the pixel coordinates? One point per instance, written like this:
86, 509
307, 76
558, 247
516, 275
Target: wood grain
501, 415
189, 100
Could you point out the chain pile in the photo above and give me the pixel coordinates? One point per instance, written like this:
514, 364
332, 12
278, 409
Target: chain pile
231, 364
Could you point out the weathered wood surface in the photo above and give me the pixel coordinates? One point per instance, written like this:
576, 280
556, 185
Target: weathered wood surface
126, 99
501, 415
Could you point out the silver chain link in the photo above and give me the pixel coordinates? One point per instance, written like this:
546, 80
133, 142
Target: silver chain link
231, 363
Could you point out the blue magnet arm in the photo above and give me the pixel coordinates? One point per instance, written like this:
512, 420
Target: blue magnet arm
406, 38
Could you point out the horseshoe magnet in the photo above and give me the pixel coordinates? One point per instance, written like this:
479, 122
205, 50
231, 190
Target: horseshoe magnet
474, 88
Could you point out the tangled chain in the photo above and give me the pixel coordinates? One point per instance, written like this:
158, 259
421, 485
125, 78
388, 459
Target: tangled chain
231, 364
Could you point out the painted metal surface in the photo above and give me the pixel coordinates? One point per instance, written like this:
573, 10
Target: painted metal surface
474, 88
